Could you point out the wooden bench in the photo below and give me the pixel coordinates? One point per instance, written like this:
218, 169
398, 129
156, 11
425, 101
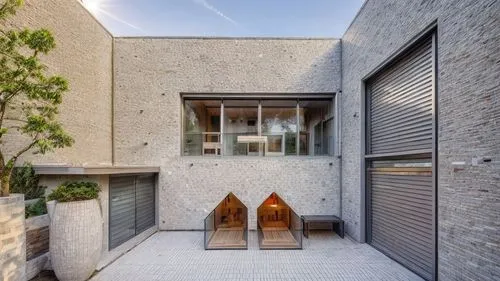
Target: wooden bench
337, 223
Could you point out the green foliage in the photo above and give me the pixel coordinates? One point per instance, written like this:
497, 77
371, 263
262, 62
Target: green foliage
9, 7
37, 209
29, 97
75, 191
24, 180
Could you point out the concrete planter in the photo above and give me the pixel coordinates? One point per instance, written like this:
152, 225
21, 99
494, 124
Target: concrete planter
75, 239
12, 238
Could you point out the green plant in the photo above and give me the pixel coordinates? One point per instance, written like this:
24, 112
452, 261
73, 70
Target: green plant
24, 180
29, 97
75, 191
37, 209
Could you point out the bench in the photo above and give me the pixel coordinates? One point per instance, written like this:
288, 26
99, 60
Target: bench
337, 223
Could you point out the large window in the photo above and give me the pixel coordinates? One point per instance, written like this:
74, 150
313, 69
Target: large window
258, 127
279, 125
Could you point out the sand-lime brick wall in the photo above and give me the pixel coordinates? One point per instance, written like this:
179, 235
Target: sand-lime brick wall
150, 74
83, 56
468, 121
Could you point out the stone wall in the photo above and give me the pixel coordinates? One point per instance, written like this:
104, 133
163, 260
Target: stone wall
83, 56
37, 236
12, 238
150, 74
468, 121
37, 245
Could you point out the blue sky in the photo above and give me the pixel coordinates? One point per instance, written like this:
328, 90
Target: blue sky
294, 18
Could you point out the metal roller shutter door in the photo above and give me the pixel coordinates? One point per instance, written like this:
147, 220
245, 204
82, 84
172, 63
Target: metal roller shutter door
401, 215
131, 208
400, 125
400, 104
122, 210
145, 203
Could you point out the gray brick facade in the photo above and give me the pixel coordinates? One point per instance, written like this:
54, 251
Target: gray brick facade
468, 121
151, 73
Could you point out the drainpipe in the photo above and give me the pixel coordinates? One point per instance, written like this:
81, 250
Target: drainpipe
338, 108
338, 111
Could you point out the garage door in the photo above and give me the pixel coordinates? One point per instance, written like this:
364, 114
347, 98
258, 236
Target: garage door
131, 207
400, 145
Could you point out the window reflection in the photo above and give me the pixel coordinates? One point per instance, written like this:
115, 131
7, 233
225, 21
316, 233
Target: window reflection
279, 124
240, 119
284, 127
316, 127
202, 127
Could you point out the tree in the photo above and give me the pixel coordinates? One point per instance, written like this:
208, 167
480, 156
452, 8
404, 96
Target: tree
29, 97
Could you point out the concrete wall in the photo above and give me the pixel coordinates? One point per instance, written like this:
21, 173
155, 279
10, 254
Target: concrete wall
150, 74
83, 56
468, 117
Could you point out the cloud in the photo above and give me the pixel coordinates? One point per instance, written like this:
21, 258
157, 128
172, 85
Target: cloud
119, 20
206, 5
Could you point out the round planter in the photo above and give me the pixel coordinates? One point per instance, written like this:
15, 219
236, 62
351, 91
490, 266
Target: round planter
12, 238
75, 239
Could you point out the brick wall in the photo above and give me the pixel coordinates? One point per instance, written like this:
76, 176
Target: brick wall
83, 56
468, 121
150, 73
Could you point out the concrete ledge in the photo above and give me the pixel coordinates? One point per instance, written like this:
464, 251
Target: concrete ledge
37, 222
36, 265
92, 170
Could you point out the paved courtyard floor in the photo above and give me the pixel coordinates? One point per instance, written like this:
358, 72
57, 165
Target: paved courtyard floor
180, 256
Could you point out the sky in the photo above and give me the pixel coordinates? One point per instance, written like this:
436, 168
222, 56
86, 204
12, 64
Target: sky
233, 18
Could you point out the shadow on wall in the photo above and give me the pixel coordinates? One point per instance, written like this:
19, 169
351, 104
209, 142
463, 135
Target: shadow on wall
324, 73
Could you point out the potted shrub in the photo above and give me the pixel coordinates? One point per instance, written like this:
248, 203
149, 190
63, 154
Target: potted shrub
76, 227
29, 100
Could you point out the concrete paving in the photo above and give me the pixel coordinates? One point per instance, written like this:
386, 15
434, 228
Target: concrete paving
180, 256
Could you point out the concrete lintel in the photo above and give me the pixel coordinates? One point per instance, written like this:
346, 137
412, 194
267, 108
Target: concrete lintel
93, 170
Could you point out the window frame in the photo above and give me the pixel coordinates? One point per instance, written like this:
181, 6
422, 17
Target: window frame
330, 97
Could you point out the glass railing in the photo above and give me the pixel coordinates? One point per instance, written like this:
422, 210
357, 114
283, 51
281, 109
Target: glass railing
296, 228
209, 228
205, 144
231, 144
222, 232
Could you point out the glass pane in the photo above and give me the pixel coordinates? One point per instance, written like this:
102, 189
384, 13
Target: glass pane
316, 133
201, 127
278, 226
227, 225
279, 124
328, 137
240, 119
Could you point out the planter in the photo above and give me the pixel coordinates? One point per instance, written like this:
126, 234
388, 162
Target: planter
12, 238
75, 239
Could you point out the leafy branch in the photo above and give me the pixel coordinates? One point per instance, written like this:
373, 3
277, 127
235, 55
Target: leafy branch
29, 97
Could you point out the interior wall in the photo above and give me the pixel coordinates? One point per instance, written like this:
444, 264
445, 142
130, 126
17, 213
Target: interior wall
83, 56
150, 74
468, 131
